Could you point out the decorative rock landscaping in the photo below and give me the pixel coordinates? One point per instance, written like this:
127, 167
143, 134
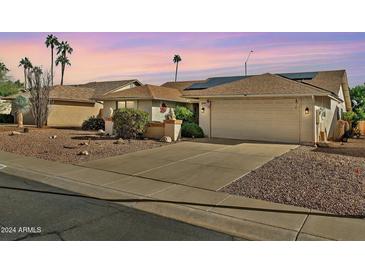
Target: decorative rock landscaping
326, 179
68, 144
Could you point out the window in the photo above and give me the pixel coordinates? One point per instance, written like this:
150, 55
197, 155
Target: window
130, 104
120, 104
126, 104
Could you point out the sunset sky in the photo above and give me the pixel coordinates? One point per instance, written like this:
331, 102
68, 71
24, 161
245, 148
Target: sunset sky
148, 56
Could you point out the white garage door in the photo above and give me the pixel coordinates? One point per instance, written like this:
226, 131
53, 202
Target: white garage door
275, 120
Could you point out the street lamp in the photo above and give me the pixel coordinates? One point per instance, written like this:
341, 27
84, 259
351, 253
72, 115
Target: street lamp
247, 61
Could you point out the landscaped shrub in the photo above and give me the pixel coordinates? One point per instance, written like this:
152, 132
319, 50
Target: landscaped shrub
6, 118
349, 116
191, 130
93, 123
185, 114
130, 123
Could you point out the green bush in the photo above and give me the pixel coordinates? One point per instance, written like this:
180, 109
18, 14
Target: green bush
93, 123
185, 114
349, 116
191, 130
130, 123
6, 118
9, 88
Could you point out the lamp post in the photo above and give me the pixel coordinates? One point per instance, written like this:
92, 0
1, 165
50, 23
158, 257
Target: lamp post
249, 54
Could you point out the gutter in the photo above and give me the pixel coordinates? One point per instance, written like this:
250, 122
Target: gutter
254, 96
183, 100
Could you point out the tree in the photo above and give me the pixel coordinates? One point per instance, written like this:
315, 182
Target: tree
63, 49
20, 105
63, 60
39, 87
51, 41
184, 114
357, 95
176, 61
7, 87
3, 71
27, 65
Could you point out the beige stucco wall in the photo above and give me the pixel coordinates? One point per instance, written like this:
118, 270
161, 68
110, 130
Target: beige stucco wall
145, 105
152, 107
204, 116
332, 109
307, 121
71, 114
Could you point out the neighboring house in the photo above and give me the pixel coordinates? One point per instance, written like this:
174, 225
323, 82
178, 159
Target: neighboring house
155, 100
288, 107
6, 107
70, 105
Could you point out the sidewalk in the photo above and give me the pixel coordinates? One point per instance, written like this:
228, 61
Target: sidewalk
237, 216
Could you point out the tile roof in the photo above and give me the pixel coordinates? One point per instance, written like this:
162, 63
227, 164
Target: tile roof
181, 85
265, 84
146, 92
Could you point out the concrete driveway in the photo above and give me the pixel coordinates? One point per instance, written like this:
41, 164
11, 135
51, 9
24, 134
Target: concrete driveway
207, 164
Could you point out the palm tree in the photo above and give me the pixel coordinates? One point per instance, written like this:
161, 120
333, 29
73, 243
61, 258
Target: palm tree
62, 49
3, 67
20, 105
51, 41
27, 65
3, 70
176, 60
37, 70
63, 60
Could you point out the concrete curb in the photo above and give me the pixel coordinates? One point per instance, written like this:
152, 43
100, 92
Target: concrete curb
247, 230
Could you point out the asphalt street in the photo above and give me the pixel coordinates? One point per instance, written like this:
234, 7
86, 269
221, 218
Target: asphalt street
42, 216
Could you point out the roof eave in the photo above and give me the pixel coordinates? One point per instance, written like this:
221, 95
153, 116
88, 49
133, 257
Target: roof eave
252, 95
72, 100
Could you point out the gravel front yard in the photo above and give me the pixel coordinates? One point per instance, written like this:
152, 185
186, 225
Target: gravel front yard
326, 179
37, 143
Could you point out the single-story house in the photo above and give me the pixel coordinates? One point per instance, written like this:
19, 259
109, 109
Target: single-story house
288, 107
70, 105
155, 100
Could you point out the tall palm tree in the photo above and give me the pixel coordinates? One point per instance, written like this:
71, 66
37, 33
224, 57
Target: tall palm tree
27, 65
51, 41
176, 61
62, 49
63, 60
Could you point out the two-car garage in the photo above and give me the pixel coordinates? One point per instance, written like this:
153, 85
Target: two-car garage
273, 120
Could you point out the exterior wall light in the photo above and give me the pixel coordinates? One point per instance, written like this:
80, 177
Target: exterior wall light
306, 111
202, 109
